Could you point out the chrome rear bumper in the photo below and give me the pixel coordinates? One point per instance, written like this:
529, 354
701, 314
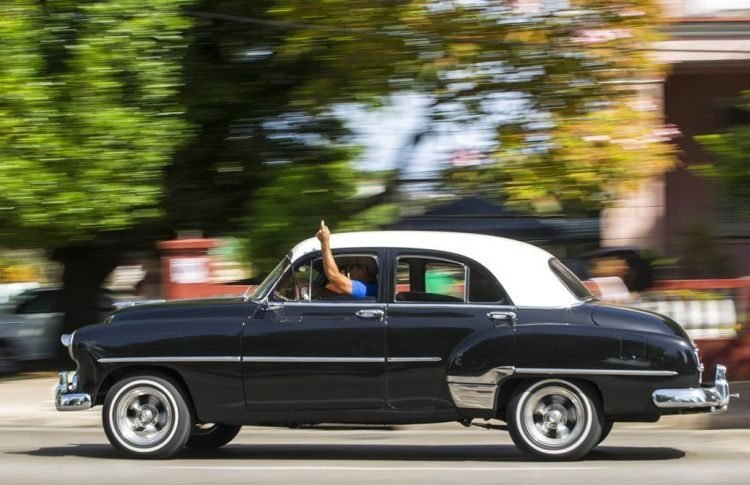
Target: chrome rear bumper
713, 398
66, 397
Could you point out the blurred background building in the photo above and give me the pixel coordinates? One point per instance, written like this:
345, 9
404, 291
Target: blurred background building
707, 50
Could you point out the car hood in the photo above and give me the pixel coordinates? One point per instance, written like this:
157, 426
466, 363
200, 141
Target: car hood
179, 309
629, 318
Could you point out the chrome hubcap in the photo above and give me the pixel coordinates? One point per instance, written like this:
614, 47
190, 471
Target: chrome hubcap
144, 416
554, 417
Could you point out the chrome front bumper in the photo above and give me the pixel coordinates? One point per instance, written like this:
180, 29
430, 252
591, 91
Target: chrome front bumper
714, 398
66, 397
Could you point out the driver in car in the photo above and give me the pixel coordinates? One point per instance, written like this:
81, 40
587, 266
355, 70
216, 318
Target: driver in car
358, 279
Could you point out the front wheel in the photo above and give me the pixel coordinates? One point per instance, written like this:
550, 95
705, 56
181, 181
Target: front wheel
555, 419
147, 416
210, 436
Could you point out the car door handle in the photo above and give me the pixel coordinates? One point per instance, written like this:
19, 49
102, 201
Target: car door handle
370, 314
498, 317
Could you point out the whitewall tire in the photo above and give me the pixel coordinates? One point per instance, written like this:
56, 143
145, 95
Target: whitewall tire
555, 419
147, 416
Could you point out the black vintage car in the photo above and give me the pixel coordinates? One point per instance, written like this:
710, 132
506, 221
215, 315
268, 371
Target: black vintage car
464, 327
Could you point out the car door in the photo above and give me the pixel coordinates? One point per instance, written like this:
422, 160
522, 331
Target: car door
436, 302
304, 351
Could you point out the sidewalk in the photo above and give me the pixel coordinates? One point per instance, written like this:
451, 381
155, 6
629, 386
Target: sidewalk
28, 401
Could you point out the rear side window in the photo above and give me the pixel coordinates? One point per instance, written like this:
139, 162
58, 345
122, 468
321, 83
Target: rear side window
434, 279
570, 280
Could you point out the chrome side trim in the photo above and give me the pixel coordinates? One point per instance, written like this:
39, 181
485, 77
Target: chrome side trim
595, 372
267, 359
120, 360
478, 392
316, 360
492, 376
464, 306
475, 396
714, 399
373, 305
414, 359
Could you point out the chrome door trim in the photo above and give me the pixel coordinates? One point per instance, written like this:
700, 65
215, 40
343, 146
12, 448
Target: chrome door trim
337, 303
119, 360
313, 360
595, 372
266, 359
479, 306
414, 359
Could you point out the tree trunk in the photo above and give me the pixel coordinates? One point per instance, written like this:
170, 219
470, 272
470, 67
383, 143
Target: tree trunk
84, 271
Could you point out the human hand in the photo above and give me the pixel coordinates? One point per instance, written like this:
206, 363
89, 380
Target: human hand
323, 234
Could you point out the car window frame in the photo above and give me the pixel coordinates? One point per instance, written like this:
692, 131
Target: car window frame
379, 254
430, 258
264, 289
569, 280
469, 263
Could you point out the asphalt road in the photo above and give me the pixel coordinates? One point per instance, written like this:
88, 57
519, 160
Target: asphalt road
444, 454
39, 445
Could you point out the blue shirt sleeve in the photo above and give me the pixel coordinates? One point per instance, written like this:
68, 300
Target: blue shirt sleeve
359, 290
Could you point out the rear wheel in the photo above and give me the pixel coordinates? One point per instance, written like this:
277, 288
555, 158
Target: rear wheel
209, 436
555, 419
147, 416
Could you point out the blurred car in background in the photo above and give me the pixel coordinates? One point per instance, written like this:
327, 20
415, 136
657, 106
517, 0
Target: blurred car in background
31, 324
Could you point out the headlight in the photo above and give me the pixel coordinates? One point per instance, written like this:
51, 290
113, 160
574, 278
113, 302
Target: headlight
67, 341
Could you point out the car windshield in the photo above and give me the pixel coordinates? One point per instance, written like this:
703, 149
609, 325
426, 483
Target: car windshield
570, 280
271, 279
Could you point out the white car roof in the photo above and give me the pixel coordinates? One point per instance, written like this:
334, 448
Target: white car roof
522, 269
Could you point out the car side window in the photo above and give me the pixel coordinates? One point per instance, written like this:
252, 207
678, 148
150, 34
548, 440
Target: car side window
354, 266
285, 288
307, 281
424, 279
428, 279
483, 289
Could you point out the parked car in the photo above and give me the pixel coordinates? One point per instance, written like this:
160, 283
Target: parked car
31, 324
510, 334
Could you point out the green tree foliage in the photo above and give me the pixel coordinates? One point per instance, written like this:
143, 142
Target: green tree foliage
581, 133
290, 205
96, 142
731, 170
262, 78
89, 118
261, 86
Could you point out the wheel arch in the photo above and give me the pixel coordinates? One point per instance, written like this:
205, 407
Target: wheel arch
508, 388
111, 378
